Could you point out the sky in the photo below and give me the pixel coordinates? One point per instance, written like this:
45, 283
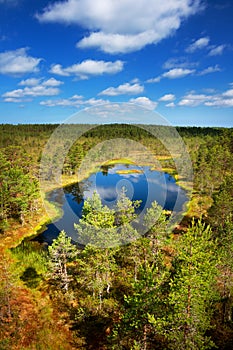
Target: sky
171, 57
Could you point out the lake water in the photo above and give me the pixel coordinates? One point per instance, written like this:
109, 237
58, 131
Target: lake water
141, 183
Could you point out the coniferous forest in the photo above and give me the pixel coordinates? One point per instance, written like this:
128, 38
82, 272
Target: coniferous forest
167, 289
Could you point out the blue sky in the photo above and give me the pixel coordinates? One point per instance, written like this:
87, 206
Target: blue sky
173, 57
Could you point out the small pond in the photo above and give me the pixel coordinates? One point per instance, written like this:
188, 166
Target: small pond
141, 183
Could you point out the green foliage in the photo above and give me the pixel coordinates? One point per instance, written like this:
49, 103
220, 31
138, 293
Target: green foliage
31, 263
126, 291
96, 227
192, 289
125, 209
61, 252
18, 190
104, 227
222, 208
148, 297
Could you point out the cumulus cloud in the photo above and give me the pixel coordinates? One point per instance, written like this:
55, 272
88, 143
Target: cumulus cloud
170, 105
35, 81
217, 50
179, 62
224, 99
52, 82
228, 93
173, 73
144, 102
124, 89
79, 101
118, 43
34, 91
154, 80
193, 100
33, 88
178, 73
167, 97
76, 101
18, 62
121, 26
88, 68
29, 82
210, 69
202, 43
220, 102
198, 44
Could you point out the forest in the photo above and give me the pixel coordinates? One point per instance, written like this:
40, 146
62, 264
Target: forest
167, 289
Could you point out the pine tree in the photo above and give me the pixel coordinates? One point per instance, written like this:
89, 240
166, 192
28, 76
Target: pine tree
192, 289
61, 252
147, 301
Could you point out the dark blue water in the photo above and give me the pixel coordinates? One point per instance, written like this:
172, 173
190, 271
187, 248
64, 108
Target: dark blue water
147, 186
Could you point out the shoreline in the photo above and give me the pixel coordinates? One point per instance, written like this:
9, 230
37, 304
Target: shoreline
51, 211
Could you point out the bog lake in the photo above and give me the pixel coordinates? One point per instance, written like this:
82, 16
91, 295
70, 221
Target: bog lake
141, 183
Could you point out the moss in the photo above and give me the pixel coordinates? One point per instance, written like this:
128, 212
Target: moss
129, 171
118, 161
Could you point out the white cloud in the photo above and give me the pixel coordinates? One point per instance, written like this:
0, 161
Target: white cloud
202, 43
121, 26
34, 82
52, 82
18, 62
224, 99
167, 97
154, 80
178, 73
193, 100
228, 93
198, 44
14, 100
144, 102
57, 69
210, 69
124, 89
88, 68
173, 73
179, 62
134, 81
221, 102
33, 88
76, 101
119, 43
170, 105
29, 82
33, 91
80, 102
217, 50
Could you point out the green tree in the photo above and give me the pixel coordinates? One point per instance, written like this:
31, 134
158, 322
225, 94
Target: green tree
96, 230
155, 221
192, 289
225, 249
147, 298
125, 209
222, 205
18, 191
61, 252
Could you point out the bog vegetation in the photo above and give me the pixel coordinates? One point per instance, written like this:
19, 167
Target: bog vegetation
165, 290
